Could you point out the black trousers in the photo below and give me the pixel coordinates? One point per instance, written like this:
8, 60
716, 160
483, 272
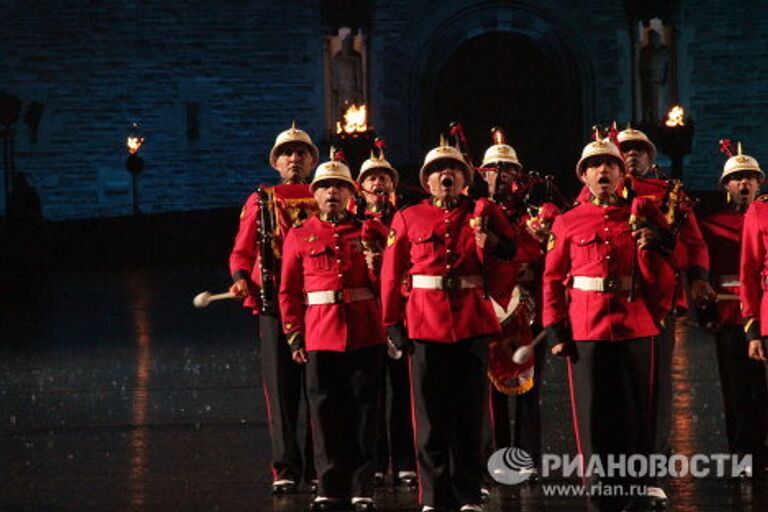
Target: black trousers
611, 384
745, 394
395, 444
448, 386
665, 348
497, 432
283, 385
343, 389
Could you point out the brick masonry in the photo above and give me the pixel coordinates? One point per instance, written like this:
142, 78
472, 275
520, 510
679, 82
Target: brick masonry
253, 66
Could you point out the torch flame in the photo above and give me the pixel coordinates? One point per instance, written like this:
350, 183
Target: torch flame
354, 120
134, 143
675, 117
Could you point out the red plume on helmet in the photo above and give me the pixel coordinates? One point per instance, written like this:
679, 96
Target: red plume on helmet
727, 147
337, 155
457, 132
379, 144
460, 140
613, 134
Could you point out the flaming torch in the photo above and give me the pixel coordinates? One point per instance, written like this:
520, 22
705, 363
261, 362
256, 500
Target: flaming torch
675, 117
676, 137
134, 163
355, 120
354, 135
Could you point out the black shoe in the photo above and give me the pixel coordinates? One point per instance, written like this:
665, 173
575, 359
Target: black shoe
532, 474
379, 480
407, 479
313, 486
322, 504
364, 505
656, 498
284, 486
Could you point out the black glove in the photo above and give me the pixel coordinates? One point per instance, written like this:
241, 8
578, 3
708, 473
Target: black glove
752, 330
560, 333
399, 338
296, 341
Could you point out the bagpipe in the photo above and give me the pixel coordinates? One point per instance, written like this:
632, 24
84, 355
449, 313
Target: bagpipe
533, 200
374, 225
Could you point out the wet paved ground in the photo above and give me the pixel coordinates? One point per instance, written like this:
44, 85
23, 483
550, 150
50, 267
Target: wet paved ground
115, 394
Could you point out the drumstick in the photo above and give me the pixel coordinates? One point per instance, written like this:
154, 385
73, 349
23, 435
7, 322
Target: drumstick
202, 300
525, 352
392, 351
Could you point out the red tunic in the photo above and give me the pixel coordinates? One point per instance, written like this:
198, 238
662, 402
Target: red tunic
324, 256
428, 240
754, 264
596, 241
691, 251
290, 203
722, 231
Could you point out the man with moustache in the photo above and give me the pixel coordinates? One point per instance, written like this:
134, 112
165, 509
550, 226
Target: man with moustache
690, 256
444, 324
332, 319
502, 171
742, 379
606, 288
377, 182
293, 156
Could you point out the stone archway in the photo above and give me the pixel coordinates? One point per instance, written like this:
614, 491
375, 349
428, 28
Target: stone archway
510, 66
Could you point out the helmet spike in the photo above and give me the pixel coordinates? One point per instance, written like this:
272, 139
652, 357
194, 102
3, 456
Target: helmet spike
498, 136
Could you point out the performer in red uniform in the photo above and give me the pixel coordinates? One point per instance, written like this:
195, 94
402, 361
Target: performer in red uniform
691, 257
753, 273
293, 156
606, 289
332, 318
742, 380
377, 182
516, 307
448, 318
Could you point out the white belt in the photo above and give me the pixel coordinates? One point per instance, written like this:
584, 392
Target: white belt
602, 284
730, 281
338, 296
446, 282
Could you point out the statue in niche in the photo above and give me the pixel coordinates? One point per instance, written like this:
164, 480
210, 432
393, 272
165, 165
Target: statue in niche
347, 77
653, 66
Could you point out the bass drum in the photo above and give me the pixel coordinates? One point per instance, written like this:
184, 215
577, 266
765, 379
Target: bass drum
507, 376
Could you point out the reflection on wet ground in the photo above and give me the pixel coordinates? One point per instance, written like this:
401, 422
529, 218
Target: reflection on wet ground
115, 394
